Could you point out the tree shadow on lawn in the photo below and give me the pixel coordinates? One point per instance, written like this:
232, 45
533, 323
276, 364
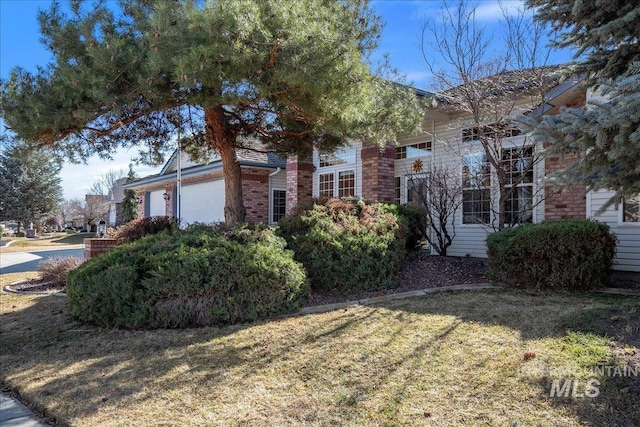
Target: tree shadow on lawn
579, 323
363, 357
69, 370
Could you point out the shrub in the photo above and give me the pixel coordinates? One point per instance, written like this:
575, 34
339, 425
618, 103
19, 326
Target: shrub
194, 277
20, 234
347, 245
56, 269
568, 254
138, 228
415, 218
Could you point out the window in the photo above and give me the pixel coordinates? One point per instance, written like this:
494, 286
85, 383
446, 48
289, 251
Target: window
493, 131
631, 209
279, 205
413, 150
398, 191
517, 164
344, 187
476, 193
416, 188
338, 158
326, 185
346, 183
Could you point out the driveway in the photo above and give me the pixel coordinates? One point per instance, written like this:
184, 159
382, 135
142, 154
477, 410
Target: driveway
17, 262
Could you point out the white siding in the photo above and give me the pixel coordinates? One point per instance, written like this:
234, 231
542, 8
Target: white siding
628, 233
202, 202
157, 206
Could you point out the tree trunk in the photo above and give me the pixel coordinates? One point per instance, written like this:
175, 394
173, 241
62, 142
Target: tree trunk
220, 135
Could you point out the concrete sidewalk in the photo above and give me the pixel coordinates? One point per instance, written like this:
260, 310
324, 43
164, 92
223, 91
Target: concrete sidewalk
15, 414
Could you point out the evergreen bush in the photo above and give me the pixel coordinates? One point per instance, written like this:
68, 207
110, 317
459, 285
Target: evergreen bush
567, 254
347, 245
183, 278
415, 218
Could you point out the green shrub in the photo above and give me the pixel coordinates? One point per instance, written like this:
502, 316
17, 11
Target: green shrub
194, 277
138, 228
568, 254
347, 245
57, 269
415, 218
20, 234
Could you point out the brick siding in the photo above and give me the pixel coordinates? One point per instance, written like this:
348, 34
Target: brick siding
255, 192
299, 182
378, 173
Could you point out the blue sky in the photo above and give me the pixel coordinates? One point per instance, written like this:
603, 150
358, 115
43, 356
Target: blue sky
20, 46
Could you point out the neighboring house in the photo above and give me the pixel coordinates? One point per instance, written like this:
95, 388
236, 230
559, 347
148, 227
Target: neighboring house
116, 195
272, 187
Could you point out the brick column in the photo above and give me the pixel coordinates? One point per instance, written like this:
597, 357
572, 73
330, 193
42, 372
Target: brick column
140, 196
95, 247
378, 173
255, 192
168, 204
299, 182
563, 202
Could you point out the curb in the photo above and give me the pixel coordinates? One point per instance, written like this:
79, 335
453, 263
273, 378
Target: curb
391, 297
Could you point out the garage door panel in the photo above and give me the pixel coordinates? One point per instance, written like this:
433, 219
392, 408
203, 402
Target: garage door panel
202, 202
157, 206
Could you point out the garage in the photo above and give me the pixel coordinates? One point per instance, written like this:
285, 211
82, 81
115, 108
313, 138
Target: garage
202, 202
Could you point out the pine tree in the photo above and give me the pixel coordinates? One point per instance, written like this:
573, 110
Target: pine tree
295, 74
605, 132
29, 183
129, 202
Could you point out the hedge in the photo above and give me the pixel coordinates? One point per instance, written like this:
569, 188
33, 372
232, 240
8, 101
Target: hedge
347, 245
183, 278
567, 254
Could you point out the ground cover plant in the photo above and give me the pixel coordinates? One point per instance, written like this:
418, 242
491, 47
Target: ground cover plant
567, 254
462, 359
194, 277
341, 242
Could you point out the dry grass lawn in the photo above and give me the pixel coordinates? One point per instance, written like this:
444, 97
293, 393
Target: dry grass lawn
462, 359
56, 241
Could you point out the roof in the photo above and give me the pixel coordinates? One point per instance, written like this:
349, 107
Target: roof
507, 81
116, 194
246, 157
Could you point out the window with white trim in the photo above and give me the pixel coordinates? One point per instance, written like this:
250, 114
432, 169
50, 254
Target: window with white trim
398, 189
279, 205
518, 166
476, 189
493, 132
410, 151
337, 158
416, 188
325, 185
346, 183
631, 209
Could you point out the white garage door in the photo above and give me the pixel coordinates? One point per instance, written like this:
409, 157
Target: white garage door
157, 203
202, 202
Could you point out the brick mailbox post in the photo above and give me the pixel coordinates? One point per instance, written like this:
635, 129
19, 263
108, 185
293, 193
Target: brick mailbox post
95, 247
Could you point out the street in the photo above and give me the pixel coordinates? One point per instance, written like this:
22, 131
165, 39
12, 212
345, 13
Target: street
17, 262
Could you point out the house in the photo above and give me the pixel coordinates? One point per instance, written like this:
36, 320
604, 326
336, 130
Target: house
273, 187
201, 198
115, 196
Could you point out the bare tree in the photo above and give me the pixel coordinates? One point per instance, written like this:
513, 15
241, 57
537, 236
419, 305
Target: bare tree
94, 208
105, 183
439, 191
486, 89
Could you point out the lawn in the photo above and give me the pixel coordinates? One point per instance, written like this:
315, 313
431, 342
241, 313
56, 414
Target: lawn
55, 241
460, 359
